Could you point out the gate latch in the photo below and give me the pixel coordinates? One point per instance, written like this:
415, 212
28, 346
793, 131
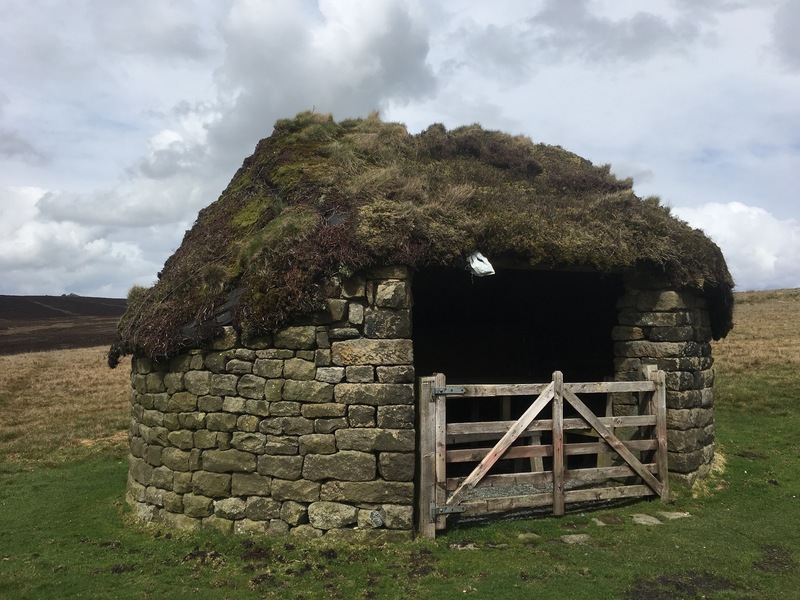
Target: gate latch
438, 509
449, 390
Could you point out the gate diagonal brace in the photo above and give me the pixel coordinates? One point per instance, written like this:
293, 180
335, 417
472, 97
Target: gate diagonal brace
438, 509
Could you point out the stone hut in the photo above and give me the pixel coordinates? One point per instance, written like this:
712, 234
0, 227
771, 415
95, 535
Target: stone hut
274, 361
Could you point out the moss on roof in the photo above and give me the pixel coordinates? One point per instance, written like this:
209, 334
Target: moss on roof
319, 198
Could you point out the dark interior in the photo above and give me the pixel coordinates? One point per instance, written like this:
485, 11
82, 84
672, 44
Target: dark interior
517, 326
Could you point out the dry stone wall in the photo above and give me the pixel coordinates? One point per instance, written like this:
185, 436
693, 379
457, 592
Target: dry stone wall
309, 432
670, 329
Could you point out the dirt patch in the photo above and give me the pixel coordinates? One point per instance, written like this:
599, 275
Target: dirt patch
687, 586
775, 559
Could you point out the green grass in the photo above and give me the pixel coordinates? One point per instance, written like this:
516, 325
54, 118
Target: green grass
65, 532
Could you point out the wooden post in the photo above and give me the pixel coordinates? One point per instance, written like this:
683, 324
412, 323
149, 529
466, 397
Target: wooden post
440, 408
426, 526
558, 443
660, 401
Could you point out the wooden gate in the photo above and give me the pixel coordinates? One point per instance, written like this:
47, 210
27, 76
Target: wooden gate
624, 468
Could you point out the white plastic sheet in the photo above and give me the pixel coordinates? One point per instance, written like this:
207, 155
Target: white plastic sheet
480, 265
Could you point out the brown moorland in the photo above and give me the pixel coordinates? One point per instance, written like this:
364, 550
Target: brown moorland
38, 323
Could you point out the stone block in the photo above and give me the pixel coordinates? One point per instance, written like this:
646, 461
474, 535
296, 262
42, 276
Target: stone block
378, 492
343, 333
360, 374
330, 374
275, 353
287, 425
326, 410
355, 313
396, 416
285, 409
182, 483
224, 526
622, 333
671, 334
178, 522
197, 382
270, 368
322, 357
305, 533
337, 309
354, 287
396, 466
684, 399
377, 352
248, 423
183, 439
299, 491
689, 418
230, 508
679, 380
374, 394
250, 484
273, 389
685, 462
392, 294
221, 421
140, 471
259, 508
281, 467
252, 387
226, 340
209, 403
173, 382
280, 445
250, 527
173, 502
180, 363
331, 515
237, 366
152, 455
197, 506
644, 349
296, 338
254, 443
228, 461
256, 341
216, 361
307, 391
213, 485
398, 516
181, 401
299, 369
372, 440
386, 323
317, 443
361, 415
257, 408
401, 374
661, 300
192, 420
329, 425
233, 404
294, 513
155, 382
175, 459
689, 440
343, 465
205, 439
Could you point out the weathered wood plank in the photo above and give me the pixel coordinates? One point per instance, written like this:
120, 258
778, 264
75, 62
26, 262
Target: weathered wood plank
502, 445
613, 441
606, 387
558, 443
427, 458
505, 480
503, 389
440, 409
604, 473
608, 493
456, 430
572, 449
489, 505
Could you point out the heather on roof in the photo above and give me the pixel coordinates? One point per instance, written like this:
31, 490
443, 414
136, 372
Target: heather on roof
319, 198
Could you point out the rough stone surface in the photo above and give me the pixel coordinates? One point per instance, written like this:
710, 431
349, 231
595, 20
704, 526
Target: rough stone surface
330, 515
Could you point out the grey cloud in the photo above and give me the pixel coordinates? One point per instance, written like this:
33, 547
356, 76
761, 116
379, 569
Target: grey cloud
785, 33
177, 158
569, 28
14, 146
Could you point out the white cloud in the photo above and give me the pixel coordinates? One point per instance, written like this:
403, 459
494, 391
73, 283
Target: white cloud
762, 251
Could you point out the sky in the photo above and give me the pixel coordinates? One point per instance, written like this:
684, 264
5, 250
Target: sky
119, 121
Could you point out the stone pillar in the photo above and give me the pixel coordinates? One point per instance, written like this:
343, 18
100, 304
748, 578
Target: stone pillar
670, 329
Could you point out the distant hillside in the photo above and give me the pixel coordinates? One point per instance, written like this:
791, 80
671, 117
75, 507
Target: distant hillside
36, 323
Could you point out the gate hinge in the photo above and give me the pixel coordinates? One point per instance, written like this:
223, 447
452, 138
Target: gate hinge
438, 509
448, 390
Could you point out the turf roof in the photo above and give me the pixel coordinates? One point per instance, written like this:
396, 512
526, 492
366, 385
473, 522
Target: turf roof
319, 198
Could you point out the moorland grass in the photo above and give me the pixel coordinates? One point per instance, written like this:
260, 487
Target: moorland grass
65, 531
